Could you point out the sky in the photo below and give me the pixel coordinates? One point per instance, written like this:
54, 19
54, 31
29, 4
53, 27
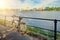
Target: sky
29, 3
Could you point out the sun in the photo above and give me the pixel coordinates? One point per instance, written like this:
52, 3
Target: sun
2, 4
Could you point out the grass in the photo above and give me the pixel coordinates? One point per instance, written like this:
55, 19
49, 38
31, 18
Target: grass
1, 21
44, 33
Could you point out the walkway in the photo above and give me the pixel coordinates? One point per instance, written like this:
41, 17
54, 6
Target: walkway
13, 35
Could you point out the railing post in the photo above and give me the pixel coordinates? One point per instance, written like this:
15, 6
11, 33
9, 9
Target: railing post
19, 22
5, 21
55, 29
12, 20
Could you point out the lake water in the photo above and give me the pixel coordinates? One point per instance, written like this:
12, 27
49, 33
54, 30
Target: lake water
41, 14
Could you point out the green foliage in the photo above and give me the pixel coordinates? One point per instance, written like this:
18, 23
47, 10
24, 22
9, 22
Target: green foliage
36, 30
42, 32
1, 21
52, 8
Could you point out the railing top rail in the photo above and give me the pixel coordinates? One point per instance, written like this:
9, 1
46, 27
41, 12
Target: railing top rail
41, 19
37, 18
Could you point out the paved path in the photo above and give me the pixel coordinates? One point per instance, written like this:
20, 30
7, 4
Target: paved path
17, 36
13, 35
32, 38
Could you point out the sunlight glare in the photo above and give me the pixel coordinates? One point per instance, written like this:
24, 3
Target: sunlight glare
2, 4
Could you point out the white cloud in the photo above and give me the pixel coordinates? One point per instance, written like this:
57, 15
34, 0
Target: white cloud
45, 3
18, 4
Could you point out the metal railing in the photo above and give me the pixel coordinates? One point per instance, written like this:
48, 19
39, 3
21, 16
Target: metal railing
54, 20
55, 24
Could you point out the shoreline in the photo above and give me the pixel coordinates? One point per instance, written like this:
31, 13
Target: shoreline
44, 10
